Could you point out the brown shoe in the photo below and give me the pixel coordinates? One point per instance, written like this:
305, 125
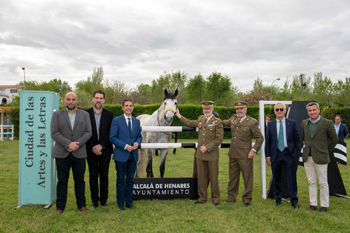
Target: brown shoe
83, 209
313, 208
323, 209
59, 212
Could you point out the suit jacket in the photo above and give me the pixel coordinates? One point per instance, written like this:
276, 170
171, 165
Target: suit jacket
210, 135
343, 132
63, 134
105, 127
242, 135
121, 137
319, 144
271, 139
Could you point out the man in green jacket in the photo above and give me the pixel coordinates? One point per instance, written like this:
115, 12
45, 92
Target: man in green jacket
210, 136
320, 138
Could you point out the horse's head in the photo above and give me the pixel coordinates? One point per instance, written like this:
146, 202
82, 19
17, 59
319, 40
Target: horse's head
169, 106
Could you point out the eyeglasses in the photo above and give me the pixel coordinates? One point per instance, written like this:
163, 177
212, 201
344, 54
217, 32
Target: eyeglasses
279, 109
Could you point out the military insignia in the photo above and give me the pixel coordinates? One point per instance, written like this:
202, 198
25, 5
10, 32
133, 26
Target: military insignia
239, 104
215, 122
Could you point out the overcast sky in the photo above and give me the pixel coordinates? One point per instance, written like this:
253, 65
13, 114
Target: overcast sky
135, 41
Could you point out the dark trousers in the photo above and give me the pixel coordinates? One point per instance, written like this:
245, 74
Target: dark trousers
125, 170
286, 160
99, 166
63, 166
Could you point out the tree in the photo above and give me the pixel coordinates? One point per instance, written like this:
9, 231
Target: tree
219, 89
170, 81
323, 90
254, 96
93, 83
196, 89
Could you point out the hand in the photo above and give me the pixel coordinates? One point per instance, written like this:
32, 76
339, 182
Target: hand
136, 146
97, 149
73, 146
251, 154
268, 161
129, 148
177, 113
203, 149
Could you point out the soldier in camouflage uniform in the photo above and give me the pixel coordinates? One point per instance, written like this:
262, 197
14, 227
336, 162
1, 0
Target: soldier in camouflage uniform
210, 136
241, 152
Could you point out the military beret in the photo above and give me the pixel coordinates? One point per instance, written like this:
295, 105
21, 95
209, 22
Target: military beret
207, 104
240, 104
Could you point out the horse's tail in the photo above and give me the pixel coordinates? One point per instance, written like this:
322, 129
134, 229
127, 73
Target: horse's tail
141, 164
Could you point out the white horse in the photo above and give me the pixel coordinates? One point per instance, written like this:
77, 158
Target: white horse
162, 117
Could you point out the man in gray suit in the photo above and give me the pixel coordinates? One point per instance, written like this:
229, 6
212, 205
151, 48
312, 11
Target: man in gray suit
320, 138
71, 129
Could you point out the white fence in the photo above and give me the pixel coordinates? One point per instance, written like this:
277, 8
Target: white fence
9, 134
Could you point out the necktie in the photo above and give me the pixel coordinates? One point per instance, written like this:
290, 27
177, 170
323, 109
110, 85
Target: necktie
280, 144
129, 125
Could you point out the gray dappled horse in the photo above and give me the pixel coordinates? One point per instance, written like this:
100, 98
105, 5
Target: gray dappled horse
162, 117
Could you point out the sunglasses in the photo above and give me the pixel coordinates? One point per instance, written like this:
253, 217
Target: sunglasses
279, 109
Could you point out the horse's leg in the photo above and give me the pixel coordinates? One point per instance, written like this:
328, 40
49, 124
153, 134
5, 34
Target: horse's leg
163, 154
149, 163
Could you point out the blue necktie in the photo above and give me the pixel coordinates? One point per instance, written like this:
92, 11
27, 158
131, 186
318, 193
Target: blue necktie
280, 145
129, 125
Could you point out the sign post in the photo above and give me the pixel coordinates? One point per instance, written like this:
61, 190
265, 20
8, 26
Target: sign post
37, 170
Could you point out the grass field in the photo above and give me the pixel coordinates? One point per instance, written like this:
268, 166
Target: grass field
171, 215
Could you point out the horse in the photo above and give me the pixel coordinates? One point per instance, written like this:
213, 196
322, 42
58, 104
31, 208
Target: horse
162, 117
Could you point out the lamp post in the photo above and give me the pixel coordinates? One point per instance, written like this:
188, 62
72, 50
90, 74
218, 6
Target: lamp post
24, 72
271, 87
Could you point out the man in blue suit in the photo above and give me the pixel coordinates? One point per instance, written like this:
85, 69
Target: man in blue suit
126, 136
281, 149
342, 130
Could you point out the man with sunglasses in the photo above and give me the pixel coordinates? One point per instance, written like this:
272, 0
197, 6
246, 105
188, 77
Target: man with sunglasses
243, 129
281, 150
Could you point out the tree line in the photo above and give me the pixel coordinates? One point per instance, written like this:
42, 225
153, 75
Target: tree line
193, 90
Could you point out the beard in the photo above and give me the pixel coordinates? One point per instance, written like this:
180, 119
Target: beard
71, 108
240, 115
208, 114
98, 105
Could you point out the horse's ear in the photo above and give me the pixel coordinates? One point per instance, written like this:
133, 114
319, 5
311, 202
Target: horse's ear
176, 92
165, 92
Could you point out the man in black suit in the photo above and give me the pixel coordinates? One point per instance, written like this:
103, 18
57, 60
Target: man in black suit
99, 149
281, 148
342, 130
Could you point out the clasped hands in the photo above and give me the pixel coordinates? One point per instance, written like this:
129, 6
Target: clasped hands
73, 146
131, 148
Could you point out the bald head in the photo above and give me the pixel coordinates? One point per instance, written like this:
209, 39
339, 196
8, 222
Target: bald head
71, 101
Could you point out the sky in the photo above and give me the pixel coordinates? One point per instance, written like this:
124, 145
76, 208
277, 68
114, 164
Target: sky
136, 41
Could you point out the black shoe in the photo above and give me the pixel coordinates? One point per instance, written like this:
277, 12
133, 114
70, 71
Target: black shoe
313, 208
246, 204
94, 205
216, 204
120, 207
295, 206
277, 203
323, 210
104, 204
198, 202
130, 207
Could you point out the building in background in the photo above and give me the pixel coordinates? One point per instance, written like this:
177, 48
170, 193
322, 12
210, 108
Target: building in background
8, 92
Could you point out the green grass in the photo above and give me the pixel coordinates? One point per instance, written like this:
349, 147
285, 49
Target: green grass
170, 215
